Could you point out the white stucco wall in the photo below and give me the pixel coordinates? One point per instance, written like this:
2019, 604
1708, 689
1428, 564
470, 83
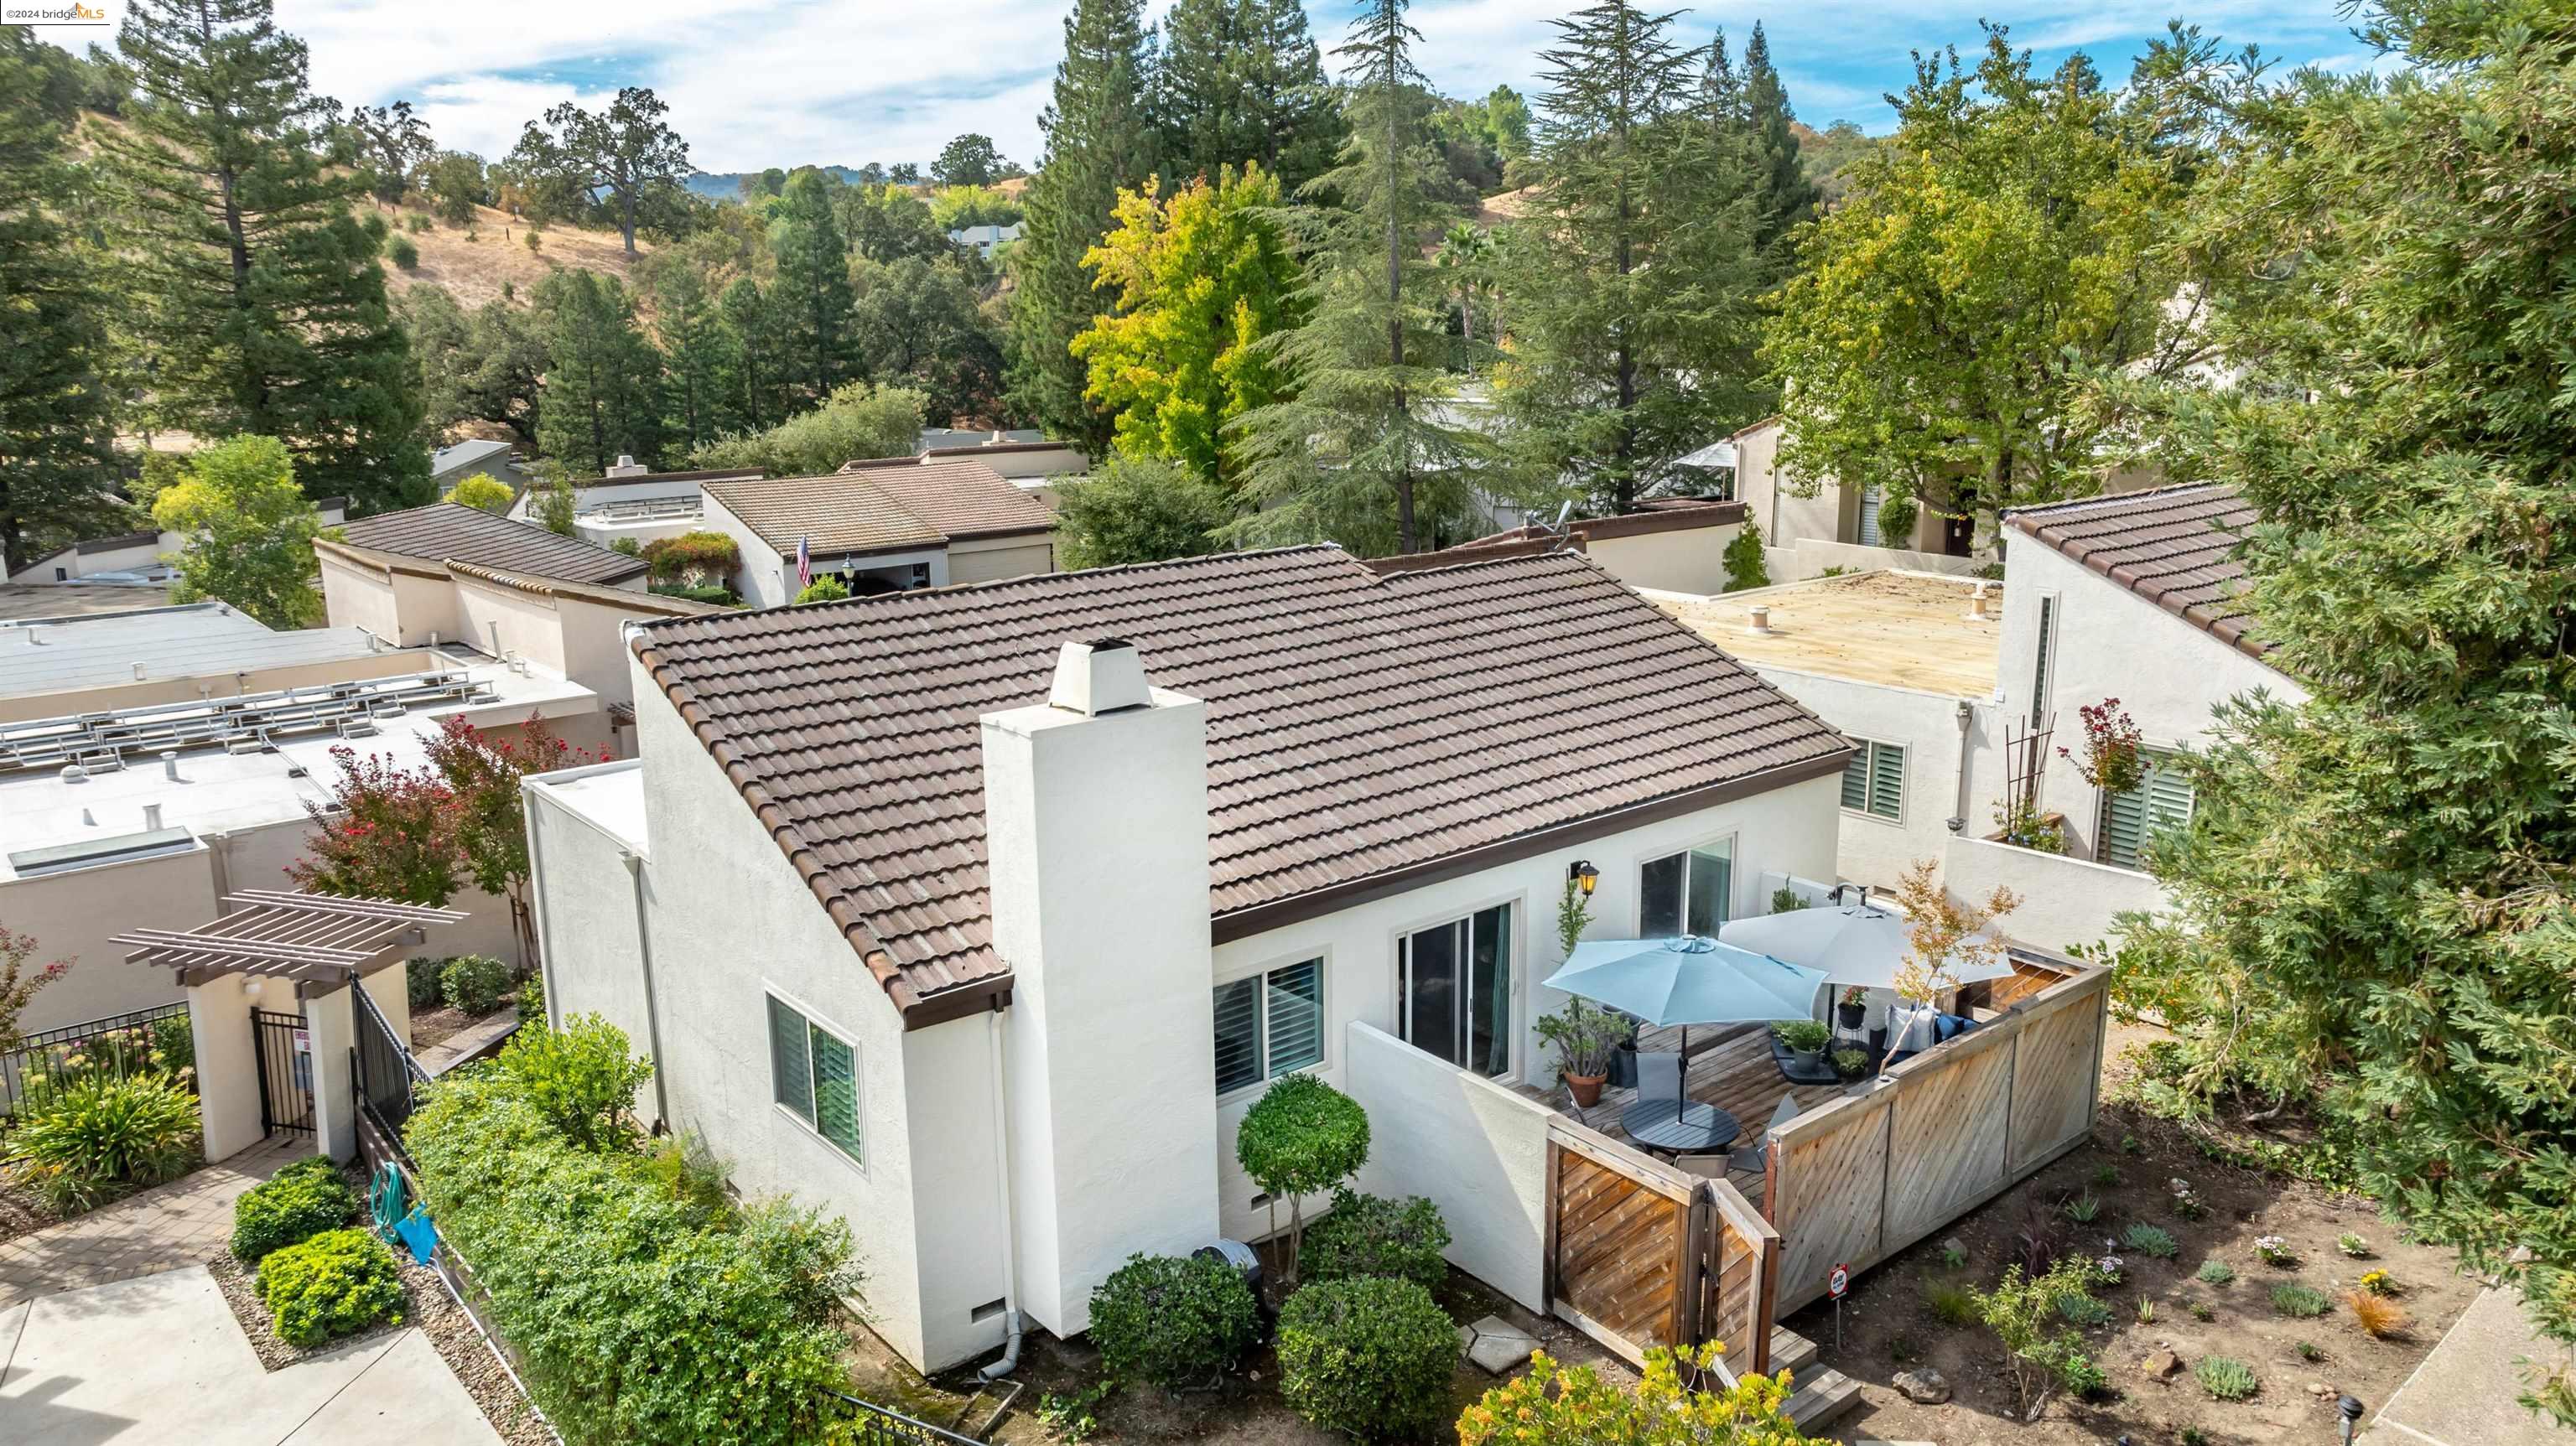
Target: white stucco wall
503, 620
2110, 643
1812, 557
1471, 1146
763, 577
2064, 901
1691, 560
985, 561
1787, 830
1874, 850
586, 914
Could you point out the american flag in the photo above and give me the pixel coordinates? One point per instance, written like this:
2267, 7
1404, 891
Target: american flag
804, 564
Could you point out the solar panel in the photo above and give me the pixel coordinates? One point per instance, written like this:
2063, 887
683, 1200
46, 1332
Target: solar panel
242, 725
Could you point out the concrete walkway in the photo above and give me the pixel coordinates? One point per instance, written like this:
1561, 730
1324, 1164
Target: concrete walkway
163, 1228
2463, 1393
161, 1359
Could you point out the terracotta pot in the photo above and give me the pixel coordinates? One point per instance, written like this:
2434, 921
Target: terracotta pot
1587, 1088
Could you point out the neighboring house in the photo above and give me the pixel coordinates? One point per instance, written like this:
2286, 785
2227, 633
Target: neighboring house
1838, 527
496, 460
1031, 462
882, 526
152, 761
446, 531
985, 238
1675, 544
133, 558
978, 917
636, 505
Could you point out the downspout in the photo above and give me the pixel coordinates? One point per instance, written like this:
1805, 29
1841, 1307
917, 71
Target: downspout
652, 1006
1967, 717
1011, 1322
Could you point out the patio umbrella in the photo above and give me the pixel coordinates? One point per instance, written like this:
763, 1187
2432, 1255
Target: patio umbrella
1688, 980
1853, 944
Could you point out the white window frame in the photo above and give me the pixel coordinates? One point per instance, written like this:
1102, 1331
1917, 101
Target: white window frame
858, 1076
1397, 947
1869, 771
1322, 959
1734, 876
2050, 624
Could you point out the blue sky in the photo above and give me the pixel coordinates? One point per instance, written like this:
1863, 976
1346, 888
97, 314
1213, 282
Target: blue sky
849, 81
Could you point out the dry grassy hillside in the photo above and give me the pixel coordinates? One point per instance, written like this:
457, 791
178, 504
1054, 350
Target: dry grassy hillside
471, 268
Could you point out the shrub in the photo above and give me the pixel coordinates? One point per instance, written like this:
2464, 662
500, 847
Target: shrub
627, 547
1744, 562
1552, 1404
637, 1316
2353, 1245
2226, 1378
823, 589
100, 1137
474, 983
1955, 1257
2300, 1302
483, 492
294, 1205
1302, 1136
1367, 1235
175, 1043
2083, 1310
403, 253
1951, 1303
1172, 1320
420, 981
2152, 1240
535, 243
2083, 1209
2378, 1316
2020, 1310
2276, 1252
338, 1283
1367, 1358
580, 1079
532, 1000
1786, 900
2216, 1272
716, 593
694, 559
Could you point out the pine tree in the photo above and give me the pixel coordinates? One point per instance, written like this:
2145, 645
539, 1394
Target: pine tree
253, 291
1783, 196
1631, 289
603, 379
694, 355
1098, 141
813, 288
1368, 453
55, 419
1242, 81
754, 352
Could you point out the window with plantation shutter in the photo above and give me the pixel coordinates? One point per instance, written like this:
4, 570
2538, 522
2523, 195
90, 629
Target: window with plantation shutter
1874, 780
1871, 498
814, 1074
2039, 668
1269, 1024
2162, 800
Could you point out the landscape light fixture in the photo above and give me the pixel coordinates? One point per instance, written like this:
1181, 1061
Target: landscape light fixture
1583, 876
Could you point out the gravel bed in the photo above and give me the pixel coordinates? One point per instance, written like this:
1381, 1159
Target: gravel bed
21, 1213
463, 1348
241, 1292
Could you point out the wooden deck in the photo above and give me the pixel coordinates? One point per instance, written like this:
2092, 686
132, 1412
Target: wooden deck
1730, 1067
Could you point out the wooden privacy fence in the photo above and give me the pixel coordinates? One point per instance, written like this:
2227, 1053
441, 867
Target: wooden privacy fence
1863, 1177
1640, 1254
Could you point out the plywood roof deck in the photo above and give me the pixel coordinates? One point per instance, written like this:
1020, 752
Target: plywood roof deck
1897, 629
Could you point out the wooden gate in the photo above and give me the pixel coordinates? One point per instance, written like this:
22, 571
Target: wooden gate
1641, 1255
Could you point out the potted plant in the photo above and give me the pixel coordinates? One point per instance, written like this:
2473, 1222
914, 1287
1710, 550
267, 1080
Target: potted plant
1851, 1063
1584, 1039
1854, 1006
1805, 1038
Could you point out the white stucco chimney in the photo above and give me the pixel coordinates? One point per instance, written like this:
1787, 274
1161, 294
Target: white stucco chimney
1096, 832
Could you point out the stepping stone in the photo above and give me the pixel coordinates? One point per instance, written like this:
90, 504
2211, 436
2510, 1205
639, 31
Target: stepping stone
1497, 1345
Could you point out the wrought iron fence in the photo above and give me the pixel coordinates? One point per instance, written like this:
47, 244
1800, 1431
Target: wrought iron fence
387, 1076
876, 1426
141, 1041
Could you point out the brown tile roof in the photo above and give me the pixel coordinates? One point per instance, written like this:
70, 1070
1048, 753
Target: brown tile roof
1364, 733
643, 602
1669, 514
962, 498
446, 532
841, 512
2173, 546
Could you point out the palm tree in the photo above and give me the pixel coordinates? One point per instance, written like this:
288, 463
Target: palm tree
1465, 250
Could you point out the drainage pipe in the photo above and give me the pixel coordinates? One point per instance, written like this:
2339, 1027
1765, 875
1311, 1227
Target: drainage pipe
652, 1007
1011, 1321
1966, 717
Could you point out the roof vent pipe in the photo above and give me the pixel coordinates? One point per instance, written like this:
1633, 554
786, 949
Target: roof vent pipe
493, 626
151, 818
1099, 677
138, 672
1760, 613
170, 765
35, 639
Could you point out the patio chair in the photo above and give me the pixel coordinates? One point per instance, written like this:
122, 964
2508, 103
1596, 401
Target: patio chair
1659, 1076
1749, 1158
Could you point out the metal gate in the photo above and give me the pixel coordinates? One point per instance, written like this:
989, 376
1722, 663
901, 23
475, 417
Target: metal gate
386, 1073
285, 1069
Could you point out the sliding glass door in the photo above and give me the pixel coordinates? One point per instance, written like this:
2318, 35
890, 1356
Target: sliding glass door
1453, 986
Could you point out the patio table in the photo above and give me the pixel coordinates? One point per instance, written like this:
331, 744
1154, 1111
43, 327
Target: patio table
1680, 1127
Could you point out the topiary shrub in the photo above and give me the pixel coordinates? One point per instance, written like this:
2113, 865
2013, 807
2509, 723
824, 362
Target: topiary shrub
420, 982
1368, 1235
1172, 1320
294, 1205
474, 983
1301, 1137
98, 1138
1743, 559
338, 1283
1368, 1358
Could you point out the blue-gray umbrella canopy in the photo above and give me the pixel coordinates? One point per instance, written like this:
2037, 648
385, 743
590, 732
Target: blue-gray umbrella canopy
1688, 980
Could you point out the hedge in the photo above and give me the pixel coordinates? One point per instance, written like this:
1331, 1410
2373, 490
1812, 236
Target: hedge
641, 1315
294, 1205
1370, 1235
1368, 1358
1172, 1320
338, 1283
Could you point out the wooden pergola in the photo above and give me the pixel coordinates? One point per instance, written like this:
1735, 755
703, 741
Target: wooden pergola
320, 941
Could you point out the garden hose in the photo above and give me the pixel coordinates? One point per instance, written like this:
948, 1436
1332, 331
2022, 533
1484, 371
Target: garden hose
385, 1202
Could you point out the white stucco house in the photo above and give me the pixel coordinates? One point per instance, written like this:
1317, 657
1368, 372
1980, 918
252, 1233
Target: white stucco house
882, 526
978, 916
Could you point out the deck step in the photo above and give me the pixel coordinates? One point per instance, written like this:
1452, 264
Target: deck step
1790, 1351
1821, 1394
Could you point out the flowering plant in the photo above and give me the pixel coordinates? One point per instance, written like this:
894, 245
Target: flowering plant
18, 983
2111, 760
1855, 994
2275, 1251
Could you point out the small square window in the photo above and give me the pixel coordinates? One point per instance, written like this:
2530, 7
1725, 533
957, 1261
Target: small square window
814, 1073
1269, 1024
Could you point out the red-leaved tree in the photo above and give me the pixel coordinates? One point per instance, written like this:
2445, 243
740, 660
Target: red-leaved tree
482, 773
385, 834
18, 983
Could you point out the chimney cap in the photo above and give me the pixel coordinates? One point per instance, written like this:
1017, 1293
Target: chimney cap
1099, 677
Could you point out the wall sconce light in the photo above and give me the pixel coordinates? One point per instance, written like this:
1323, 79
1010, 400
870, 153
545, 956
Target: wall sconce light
250, 987
1584, 876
